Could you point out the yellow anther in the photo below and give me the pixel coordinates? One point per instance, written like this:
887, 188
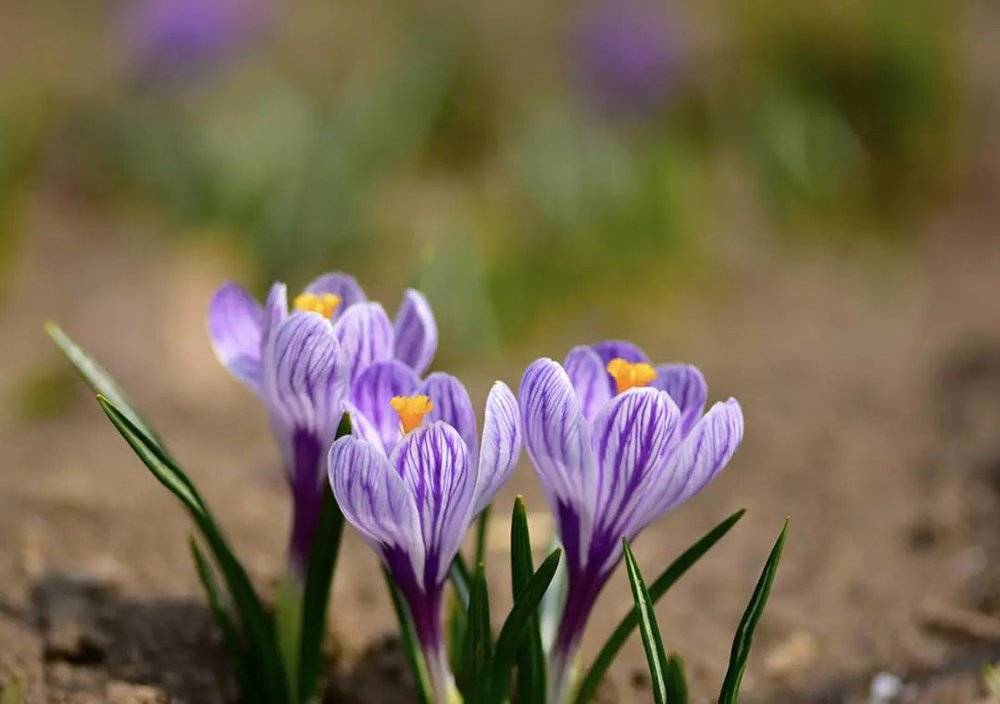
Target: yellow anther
628, 375
411, 410
323, 303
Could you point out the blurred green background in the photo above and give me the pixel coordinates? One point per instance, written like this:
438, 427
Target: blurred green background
504, 154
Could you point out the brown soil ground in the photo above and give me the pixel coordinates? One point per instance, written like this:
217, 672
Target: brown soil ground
871, 385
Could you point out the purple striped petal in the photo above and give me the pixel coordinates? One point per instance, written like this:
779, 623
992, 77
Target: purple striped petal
275, 311
634, 436
371, 392
305, 380
686, 387
590, 378
416, 331
699, 458
365, 333
339, 284
558, 441
364, 429
434, 464
376, 501
234, 324
501, 444
452, 405
613, 349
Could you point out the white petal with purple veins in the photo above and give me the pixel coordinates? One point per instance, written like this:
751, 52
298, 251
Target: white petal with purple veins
365, 333
557, 439
339, 284
686, 387
434, 464
590, 378
415, 331
372, 391
305, 379
700, 457
375, 499
501, 444
634, 436
451, 403
234, 325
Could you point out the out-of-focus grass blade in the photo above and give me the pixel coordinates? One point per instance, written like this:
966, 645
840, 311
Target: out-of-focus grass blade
674, 571
230, 635
99, 380
457, 625
478, 644
319, 576
551, 607
414, 655
531, 656
525, 606
460, 579
751, 617
482, 527
13, 691
648, 628
677, 691
258, 628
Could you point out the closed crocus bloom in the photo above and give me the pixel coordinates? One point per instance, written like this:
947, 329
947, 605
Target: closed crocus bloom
616, 443
412, 486
302, 362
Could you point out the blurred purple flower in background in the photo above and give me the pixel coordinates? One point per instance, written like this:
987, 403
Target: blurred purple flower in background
627, 57
170, 39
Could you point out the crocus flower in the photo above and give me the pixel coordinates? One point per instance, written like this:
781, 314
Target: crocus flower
616, 443
171, 39
412, 498
627, 57
302, 365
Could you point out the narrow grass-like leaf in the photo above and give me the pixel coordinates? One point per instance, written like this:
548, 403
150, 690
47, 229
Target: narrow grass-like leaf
677, 691
230, 635
478, 646
258, 628
457, 625
648, 628
411, 645
482, 528
460, 579
674, 571
525, 606
99, 380
319, 577
751, 617
531, 657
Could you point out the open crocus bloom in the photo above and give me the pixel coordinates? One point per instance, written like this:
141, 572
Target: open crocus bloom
412, 498
302, 363
616, 443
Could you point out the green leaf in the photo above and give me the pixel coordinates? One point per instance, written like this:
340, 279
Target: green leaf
257, 626
751, 617
648, 628
674, 571
319, 577
482, 528
460, 579
99, 380
478, 646
230, 635
677, 692
410, 643
531, 656
525, 606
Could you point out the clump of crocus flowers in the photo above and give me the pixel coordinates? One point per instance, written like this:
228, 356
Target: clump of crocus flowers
367, 435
